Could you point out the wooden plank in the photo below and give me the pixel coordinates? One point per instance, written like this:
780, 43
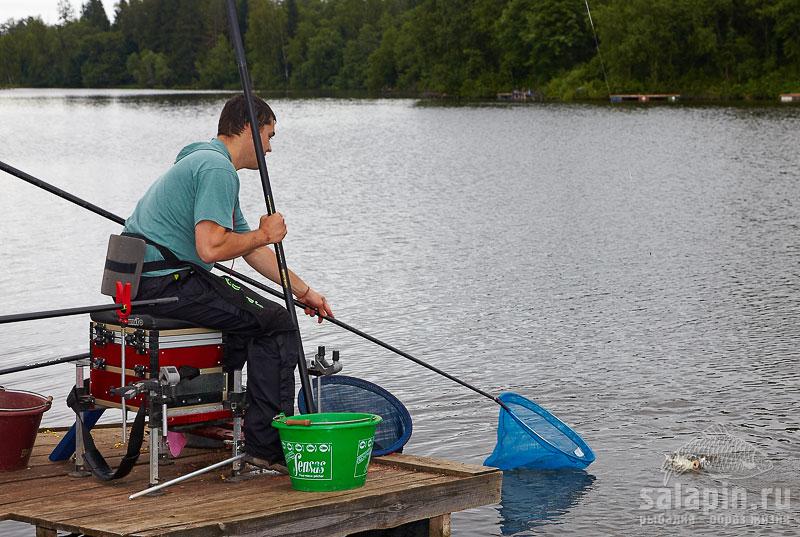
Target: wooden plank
439, 526
45, 532
219, 502
429, 464
400, 490
171, 509
262, 502
44, 469
371, 512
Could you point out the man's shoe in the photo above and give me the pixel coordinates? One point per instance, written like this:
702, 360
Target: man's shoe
264, 464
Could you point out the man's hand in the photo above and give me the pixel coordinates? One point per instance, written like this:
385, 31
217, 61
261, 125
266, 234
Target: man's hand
317, 303
272, 227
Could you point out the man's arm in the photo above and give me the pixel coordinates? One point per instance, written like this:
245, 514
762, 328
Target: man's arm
215, 243
263, 260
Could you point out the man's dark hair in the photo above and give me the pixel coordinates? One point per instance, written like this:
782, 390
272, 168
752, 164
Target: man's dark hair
233, 118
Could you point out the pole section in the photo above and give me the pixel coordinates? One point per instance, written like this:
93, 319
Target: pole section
35, 315
236, 39
35, 365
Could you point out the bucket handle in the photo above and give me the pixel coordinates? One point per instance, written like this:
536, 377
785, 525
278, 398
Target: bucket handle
45, 405
308, 423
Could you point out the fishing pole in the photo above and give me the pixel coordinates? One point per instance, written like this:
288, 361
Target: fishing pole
373, 339
36, 365
114, 218
597, 44
247, 87
35, 315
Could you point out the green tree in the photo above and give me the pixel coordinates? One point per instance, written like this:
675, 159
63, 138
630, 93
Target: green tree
28, 47
558, 37
218, 68
381, 71
267, 40
65, 12
355, 58
94, 14
323, 60
149, 69
292, 17
716, 48
104, 59
786, 14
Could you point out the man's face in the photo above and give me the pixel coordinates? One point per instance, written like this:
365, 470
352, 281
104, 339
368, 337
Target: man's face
267, 132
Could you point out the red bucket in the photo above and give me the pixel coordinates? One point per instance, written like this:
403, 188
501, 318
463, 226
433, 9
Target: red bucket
20, 416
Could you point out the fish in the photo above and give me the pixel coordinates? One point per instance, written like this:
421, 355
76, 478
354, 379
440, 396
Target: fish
682, 462
719, 453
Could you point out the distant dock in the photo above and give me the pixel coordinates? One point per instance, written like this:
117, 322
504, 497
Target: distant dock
645, 97
790, 97
404, 495
516, 96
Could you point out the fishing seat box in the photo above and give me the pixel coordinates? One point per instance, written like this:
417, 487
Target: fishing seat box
152, 343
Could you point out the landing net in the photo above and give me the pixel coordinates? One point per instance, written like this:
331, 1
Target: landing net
341, 393
531, 437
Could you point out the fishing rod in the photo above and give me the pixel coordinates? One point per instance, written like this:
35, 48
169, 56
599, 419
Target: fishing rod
597, 44
114, 218
35, 315
373, 339
247, 87
36, 365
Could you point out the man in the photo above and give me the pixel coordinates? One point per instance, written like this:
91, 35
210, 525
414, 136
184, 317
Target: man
191, 219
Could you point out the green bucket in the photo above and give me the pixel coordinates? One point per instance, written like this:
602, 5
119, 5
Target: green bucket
327, 451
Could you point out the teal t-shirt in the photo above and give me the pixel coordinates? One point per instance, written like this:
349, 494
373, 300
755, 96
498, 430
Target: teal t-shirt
201, 185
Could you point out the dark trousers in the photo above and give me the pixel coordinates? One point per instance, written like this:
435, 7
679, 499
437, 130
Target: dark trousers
257, 331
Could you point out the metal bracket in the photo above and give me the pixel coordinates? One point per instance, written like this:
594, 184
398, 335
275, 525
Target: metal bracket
137, 340
319, 367
85, 400
102, 336
236, 402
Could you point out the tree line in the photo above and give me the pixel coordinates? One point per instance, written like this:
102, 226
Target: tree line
462, 48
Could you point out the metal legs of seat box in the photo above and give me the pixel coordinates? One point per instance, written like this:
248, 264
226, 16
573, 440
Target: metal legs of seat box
80, 449
157, 418
236, 400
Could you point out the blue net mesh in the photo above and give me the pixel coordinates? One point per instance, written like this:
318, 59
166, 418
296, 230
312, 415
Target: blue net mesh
531, 437
341, 393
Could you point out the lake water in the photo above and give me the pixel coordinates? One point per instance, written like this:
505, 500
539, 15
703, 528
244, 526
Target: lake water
632, 269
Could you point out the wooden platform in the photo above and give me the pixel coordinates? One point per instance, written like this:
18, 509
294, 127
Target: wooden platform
400, 490
645, 97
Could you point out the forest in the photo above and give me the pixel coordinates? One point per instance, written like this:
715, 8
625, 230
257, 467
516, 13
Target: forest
703, 49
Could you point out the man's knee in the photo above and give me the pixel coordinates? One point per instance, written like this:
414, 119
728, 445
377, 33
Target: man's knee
279, 321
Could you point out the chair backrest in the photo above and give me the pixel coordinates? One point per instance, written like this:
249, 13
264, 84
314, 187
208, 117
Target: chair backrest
124, 260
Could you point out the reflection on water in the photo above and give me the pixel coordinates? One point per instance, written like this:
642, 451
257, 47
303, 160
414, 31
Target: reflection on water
535, 498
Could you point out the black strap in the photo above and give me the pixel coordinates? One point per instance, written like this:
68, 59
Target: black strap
122, 268
94, 459
152, 266
170, 261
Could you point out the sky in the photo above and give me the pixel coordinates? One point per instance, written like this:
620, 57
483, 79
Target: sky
19, 9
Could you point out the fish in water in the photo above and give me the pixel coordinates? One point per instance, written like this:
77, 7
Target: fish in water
682, 462
719, 452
